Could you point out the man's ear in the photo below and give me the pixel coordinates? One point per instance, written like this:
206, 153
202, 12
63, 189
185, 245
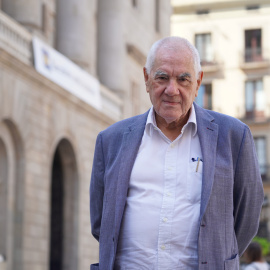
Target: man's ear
199, 82
146, 77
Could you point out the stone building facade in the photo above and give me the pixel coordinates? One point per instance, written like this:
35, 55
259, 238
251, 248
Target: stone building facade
47, 134
233, 39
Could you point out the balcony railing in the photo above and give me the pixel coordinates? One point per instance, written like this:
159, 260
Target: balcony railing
253, 55
255, 115
255, 58
265, 173
15, 39
210, 66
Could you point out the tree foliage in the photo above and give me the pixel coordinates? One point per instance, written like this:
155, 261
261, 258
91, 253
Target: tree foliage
265, 244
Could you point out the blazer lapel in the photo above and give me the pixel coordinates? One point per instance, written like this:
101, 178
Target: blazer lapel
208, 135
130, 146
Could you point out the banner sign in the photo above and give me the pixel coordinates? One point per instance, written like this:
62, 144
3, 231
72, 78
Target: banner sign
62, 71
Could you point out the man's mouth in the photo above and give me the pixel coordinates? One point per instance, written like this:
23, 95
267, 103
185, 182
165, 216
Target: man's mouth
171, 102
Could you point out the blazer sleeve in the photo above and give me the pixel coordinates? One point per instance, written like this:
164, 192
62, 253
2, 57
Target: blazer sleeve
248, 193
97, 188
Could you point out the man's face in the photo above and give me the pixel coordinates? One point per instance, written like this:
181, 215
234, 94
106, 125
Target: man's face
172, 84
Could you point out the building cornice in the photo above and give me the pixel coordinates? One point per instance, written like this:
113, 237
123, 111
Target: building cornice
8, 61
181, 7
136, 54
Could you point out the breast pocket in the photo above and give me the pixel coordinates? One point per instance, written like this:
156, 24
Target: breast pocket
194, 182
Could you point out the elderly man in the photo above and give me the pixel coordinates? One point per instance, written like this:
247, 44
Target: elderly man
178, 187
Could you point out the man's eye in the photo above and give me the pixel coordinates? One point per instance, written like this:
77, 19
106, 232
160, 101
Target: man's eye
162, 78
184, 81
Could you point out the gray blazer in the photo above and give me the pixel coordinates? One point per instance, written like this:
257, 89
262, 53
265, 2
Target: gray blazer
232, 192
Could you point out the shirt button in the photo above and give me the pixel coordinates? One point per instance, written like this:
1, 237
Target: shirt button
168, 194
163, 247
172, 145
165, 219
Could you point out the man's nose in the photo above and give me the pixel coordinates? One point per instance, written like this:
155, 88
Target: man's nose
172, 88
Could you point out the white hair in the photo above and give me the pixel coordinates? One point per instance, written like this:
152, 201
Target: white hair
172, 43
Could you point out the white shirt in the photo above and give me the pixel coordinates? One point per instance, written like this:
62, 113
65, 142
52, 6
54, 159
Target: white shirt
161, 219
257, 266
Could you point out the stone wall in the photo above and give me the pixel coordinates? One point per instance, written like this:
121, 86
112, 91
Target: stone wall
43, 115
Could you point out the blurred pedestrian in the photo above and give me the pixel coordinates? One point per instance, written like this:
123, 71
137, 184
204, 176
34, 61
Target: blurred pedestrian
254, 257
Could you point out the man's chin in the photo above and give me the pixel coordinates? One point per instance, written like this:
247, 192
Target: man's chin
169, 116
175, 118
171, 119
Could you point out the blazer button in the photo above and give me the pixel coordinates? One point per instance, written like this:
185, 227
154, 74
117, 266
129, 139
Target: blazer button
204, 262
202, 225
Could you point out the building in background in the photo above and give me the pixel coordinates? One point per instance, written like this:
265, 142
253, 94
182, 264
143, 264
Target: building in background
51, 114
233, 39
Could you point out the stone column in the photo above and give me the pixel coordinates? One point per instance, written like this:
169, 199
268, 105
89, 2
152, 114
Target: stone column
112, 45
26, 12
76, 32
3, 204
165, 11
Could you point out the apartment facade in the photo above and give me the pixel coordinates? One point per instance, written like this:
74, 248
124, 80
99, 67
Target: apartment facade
233, 39
68, 69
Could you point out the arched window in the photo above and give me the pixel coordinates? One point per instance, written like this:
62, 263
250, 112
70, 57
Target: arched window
64, 209
11, 195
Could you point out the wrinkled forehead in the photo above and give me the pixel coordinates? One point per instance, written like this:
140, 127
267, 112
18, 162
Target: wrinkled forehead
174, 48
175, 57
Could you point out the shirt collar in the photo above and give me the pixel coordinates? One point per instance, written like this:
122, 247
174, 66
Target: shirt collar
151, 123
